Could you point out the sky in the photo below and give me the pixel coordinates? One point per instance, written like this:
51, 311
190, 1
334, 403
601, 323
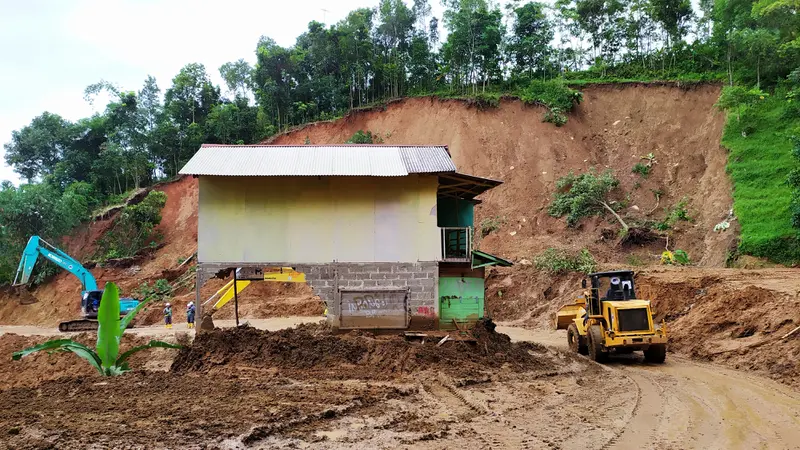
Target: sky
50, 50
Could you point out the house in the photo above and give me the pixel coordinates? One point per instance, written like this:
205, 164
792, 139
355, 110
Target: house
382, 233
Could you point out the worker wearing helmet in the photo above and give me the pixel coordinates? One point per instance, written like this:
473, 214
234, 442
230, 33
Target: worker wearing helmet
168, 316
190, 315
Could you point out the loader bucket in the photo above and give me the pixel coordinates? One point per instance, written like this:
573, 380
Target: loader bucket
566, 315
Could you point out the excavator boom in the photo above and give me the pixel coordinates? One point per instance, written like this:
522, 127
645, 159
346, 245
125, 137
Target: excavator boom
38, 246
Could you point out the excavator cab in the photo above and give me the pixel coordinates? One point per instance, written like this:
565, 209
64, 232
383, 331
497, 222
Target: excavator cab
90, 302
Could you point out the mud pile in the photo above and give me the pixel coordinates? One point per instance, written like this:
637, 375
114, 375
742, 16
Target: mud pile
735, 317
37, 368
314, 351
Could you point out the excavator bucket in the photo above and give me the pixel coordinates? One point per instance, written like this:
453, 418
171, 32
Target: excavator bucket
567, 314
25, 297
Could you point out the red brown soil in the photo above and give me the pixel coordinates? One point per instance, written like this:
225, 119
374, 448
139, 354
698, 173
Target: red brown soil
613, 128
314, 351
248, 387
37, 368
732, 317
164, 410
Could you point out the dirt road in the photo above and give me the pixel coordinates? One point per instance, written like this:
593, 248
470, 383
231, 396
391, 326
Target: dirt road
684, 404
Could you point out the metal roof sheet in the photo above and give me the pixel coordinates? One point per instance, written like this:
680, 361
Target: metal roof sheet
318, 160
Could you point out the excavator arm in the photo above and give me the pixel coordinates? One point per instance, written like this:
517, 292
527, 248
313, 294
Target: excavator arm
38, 246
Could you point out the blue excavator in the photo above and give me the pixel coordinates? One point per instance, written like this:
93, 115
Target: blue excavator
90, 296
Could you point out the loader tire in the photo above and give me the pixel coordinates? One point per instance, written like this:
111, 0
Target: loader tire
656, 353
596, 350
577, 343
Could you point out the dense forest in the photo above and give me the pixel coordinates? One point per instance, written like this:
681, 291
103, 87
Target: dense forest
478, 49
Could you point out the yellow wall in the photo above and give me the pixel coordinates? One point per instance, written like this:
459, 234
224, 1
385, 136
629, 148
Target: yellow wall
318, 219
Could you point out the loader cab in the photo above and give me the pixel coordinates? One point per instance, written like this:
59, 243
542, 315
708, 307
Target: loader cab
616, 285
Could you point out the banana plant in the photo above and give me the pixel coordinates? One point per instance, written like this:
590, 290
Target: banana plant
105, 358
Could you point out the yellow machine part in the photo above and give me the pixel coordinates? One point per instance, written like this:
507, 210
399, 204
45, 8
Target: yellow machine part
567, 313
284, 274
228, 295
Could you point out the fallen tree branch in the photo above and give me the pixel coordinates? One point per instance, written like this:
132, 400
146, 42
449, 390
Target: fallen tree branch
790, 333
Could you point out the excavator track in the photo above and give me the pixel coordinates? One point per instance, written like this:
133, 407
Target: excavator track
72, 326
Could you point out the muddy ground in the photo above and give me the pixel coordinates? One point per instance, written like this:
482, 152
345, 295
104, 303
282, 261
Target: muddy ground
308, 388
305, 387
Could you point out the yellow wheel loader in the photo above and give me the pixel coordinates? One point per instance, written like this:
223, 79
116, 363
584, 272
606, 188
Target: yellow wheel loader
610, 319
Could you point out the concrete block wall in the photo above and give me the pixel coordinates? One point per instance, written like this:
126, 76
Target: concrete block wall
421, 280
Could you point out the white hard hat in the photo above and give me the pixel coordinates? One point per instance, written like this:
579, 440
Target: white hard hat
191, 303
168, 304
614, 280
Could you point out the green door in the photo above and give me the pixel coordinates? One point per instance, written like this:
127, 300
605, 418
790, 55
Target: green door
460, 299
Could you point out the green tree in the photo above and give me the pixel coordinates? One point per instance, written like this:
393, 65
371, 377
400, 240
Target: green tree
393, 36
531, 34
603, 20
585, 195
674, 17
472, 51
758, 45
273, 83
191, 96
237, 76
35, 150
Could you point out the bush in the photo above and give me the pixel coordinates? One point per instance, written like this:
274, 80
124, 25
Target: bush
556, 117
491, 224
486, 100
360, 137
642, 169
134, 229
558, 261
160, 290
675, 214
555, 96
678, 258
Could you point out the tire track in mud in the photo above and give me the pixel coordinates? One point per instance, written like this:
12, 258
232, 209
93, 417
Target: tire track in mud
637, 404
637, 433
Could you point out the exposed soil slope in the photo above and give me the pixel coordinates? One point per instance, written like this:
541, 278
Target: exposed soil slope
613, 128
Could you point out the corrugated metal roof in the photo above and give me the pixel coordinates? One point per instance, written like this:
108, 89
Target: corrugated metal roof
318, 160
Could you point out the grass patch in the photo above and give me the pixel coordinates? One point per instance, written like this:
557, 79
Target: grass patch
558, 261
642, 169
759, 165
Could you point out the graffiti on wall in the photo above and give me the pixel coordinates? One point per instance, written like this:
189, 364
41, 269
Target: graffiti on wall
377, 303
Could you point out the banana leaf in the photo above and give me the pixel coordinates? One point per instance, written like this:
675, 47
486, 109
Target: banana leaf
108, 331
123, 358
63, 345
123, 324
49, 345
